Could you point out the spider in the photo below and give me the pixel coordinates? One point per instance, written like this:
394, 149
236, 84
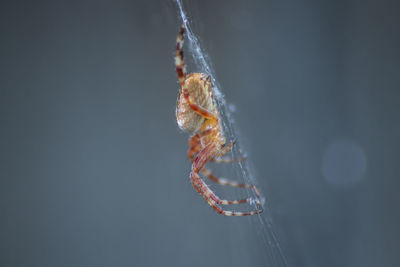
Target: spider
197, 114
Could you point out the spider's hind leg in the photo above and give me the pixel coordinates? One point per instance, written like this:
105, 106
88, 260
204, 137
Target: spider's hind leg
179, 62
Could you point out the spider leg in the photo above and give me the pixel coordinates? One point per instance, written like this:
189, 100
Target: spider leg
227, 182
194, 148
179, 62
196, 108
202, 158
195, 144
213, 200
227, 159
198, 183
223, 181
225, 149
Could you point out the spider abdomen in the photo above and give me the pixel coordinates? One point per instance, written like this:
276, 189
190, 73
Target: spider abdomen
200, 92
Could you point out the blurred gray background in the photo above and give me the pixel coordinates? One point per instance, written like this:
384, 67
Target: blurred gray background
93, 167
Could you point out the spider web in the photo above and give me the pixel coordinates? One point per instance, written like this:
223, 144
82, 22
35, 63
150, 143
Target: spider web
262, 223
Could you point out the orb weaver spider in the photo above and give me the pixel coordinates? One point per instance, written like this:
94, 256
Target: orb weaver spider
197, 114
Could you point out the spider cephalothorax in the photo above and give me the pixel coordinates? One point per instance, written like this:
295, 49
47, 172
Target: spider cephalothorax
197, 114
